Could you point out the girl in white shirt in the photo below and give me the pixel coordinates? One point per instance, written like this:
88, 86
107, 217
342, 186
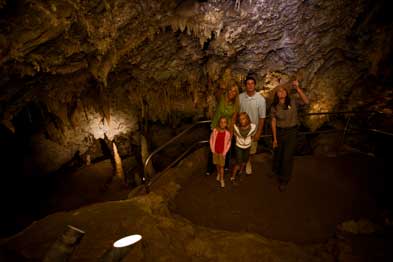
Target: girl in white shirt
244, 132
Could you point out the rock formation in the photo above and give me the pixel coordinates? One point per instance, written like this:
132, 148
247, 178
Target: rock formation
84, 70
166, 236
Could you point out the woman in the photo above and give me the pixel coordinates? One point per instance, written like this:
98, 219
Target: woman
228, 107
284, 128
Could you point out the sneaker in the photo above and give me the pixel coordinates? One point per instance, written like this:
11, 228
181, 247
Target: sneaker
241, 175
232, 178
248, 168
222, 183
207, 174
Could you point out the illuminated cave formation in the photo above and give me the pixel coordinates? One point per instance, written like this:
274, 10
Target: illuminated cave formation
86, 81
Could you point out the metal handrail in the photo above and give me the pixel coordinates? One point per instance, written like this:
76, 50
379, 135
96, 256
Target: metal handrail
373, 130
148, 182
333, 113
148, 159
311, 132
151, 181
338, 113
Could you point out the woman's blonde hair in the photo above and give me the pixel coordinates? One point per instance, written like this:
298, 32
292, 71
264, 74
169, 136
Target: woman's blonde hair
233, 84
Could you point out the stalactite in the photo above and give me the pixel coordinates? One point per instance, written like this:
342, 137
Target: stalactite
167, 105
104, 103
58, 109
210, 100
226, 77
3, 3
194, 80
237, 4
178, 87
80, 49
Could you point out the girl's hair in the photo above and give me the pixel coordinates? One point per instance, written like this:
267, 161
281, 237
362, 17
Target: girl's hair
246, 115
276, 100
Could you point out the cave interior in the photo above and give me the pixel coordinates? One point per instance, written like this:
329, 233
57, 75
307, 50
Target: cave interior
89, 88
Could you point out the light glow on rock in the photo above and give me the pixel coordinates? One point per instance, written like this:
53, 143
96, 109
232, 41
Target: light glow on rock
120, 123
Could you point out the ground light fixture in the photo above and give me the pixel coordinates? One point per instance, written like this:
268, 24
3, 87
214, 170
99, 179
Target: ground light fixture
65, 244
120, 248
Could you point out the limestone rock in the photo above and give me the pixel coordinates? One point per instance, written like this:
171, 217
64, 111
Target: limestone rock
104, 67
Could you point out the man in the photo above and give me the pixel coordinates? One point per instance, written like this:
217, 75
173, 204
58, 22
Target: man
254, 105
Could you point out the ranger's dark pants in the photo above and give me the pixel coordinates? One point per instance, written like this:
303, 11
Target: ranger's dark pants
283, 154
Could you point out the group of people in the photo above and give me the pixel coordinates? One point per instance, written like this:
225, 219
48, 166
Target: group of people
242, 116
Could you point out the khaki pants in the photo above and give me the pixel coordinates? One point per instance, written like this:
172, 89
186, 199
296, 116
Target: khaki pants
253, 148
218, 160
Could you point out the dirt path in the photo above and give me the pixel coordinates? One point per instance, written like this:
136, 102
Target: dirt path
323, 192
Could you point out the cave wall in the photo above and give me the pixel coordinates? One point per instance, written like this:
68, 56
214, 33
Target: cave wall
101, 68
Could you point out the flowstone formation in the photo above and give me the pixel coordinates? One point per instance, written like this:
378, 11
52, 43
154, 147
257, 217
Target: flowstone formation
96, 69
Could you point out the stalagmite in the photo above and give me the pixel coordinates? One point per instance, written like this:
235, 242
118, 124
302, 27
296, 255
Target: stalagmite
145, 153
8, 124
118, 163
88, 160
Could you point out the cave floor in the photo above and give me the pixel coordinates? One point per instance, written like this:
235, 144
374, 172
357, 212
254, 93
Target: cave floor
307, 212
322, 193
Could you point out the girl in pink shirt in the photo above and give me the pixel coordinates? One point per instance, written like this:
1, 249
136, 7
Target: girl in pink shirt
220, 143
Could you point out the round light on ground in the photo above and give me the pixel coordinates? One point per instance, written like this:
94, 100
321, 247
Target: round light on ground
127, 241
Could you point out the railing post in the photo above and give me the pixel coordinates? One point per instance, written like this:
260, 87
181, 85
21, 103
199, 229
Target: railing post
346, 128
146, 183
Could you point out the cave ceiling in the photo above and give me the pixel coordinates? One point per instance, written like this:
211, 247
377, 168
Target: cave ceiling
158, 53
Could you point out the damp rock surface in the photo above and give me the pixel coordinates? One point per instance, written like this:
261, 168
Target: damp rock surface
73, 55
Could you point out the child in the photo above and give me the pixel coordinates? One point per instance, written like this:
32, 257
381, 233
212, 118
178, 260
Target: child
244, 133
220, 142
